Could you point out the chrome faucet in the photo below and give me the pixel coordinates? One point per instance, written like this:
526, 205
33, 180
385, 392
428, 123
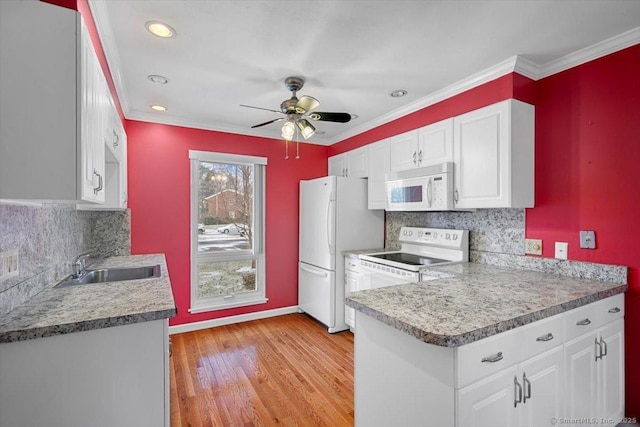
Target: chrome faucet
78, 264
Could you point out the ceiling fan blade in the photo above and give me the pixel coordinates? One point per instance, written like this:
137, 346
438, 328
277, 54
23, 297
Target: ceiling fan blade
331, 117
306, 104
267, 123
260, 108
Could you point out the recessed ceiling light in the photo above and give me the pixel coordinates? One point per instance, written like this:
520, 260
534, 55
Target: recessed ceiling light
320, 132
160, 29
158, 79
160, 108
398, 93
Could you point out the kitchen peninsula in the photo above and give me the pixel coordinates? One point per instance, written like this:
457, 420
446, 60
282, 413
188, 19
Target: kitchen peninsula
490, 346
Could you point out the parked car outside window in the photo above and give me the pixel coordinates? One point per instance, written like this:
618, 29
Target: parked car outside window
233, 229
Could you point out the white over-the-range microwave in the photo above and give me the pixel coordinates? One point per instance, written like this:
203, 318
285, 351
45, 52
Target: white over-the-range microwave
428, 188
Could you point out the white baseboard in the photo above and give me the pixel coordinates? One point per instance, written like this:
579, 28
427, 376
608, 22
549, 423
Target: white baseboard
205, 324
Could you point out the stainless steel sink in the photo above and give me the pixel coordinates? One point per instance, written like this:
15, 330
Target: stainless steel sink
103, 275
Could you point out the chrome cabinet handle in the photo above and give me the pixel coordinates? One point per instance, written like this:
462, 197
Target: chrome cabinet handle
598, 349
117, 140
420, 157
455, 196
414, 158
346, 172
583, 322
493, 358
517, 392
527, 386
614, 310
547, 337
97, 189
603, 343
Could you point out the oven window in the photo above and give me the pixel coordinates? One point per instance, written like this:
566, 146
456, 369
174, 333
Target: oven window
411, 194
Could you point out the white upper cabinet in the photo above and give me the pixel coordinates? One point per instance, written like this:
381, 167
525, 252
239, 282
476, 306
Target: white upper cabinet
352, 164
53, 107
378, 167
494, 156
426, 146
435, 143
403, 151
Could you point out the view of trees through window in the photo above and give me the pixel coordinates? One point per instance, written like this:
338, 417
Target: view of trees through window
225, 229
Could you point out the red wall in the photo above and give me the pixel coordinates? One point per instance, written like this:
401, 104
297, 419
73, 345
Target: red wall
587, 176
159, 200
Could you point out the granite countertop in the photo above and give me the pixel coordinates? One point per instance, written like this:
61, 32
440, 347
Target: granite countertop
472, 301
56, 311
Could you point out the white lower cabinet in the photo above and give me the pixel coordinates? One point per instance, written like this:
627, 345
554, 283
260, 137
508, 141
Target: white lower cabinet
565, 367
595, 374
351, 273
117, 376
528, 394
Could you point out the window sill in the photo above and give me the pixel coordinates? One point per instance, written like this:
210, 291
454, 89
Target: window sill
202, 308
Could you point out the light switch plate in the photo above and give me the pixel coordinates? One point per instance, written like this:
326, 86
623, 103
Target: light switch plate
587, 239
561, 250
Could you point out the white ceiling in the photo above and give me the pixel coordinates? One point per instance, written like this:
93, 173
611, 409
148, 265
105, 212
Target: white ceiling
352, 53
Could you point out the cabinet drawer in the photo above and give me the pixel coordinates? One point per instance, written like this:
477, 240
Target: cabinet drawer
352, 264
487, 356
590, 317
541, 336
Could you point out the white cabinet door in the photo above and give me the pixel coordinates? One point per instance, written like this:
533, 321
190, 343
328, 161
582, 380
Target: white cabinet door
581, 381
435, 143
338, 165
378, 167
403, 151
543, 394
490, 401
494, 156
358, 163
611, 372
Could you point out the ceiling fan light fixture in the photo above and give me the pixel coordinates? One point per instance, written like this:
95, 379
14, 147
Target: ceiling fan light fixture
306, 128
288, 131
160, 108
306, 103
158, 79
160, 29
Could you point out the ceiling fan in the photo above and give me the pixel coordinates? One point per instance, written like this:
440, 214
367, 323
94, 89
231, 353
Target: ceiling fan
297, 111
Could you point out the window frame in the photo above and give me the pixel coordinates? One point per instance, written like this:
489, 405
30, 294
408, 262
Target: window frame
258, 296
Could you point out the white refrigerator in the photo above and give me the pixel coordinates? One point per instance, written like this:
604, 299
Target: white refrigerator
333, 218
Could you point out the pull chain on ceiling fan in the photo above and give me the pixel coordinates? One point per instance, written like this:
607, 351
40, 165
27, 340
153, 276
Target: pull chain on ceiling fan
297, 111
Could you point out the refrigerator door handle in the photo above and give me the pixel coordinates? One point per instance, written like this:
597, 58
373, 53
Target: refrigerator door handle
331, 227
314, 271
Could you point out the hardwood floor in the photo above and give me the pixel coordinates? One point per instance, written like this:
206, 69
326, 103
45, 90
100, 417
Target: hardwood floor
284, 370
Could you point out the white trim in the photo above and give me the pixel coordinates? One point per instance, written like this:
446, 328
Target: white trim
215, 157
109, 47
527, 68
229, 320
598, 50
204, 308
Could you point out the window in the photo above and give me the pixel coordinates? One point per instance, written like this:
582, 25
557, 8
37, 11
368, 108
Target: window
227, 230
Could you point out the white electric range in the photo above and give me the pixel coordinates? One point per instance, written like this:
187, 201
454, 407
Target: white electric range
421, 248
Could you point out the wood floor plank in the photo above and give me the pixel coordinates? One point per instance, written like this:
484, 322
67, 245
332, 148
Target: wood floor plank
281, 371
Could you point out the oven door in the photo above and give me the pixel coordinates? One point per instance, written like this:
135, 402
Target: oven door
374, 275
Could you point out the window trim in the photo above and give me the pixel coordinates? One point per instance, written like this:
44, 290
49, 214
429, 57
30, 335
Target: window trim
200, 305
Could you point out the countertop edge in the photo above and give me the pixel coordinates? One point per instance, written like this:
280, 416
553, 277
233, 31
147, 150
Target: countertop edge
485, 332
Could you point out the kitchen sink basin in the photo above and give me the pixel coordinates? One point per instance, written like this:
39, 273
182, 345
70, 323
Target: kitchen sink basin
103, 275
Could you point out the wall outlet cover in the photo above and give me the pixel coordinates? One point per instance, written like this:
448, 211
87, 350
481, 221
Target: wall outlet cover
587, 239
561, 250
533, 246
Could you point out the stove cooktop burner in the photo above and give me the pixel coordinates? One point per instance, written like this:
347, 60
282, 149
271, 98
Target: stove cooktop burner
410, 259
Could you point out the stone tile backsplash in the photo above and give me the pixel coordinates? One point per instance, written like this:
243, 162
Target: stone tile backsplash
47, 237
490, 230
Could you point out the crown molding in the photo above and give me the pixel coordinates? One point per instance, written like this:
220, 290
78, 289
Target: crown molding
109, 47
595, 51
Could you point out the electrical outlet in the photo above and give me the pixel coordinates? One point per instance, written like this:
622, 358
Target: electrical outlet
533, 246
587, 240
9, 265
561, 250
